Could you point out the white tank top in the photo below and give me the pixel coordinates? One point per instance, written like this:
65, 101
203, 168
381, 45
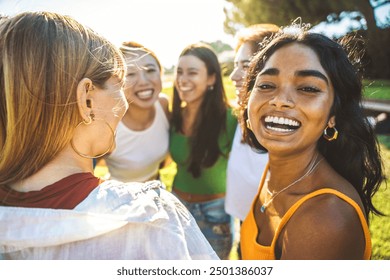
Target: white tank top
244, 171
138, 154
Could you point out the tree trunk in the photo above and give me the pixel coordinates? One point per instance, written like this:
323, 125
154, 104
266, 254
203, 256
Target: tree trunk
378, 41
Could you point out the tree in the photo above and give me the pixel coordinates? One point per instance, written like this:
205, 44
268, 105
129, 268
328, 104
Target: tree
283, 12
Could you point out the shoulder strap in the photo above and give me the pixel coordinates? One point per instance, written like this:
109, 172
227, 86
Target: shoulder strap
291, 211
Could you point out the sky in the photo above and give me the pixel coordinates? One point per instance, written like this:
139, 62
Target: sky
164, 26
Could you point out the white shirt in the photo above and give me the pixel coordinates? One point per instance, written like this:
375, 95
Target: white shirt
244, 171
116, 221
138, 154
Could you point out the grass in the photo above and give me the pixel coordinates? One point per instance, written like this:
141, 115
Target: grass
378, 89
379, 225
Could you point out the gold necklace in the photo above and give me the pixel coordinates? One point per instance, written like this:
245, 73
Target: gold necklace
313, 166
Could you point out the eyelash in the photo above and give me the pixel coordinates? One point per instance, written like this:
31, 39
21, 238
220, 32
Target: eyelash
306, 89
264, 86
310, 89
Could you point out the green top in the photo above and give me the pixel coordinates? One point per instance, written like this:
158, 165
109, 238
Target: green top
212, 180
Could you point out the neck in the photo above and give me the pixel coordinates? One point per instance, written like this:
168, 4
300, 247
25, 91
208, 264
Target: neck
284, 172
65, 164
137, 118
189, 114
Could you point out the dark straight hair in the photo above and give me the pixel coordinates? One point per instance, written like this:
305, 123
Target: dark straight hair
211, 118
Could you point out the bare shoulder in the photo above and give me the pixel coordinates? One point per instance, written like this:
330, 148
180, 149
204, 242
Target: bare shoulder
324, 227
164, 101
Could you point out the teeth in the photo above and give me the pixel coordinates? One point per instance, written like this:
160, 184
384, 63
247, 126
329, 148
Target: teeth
185, 88
283, 121
145, 94
279, 129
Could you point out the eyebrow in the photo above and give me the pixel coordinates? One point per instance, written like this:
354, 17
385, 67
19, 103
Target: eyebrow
189, 69
300, 73
313, 73
150, 65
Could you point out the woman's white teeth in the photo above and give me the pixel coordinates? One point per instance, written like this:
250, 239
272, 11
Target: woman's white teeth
281, 124
185, 88
145, 94
279, 129
281, 120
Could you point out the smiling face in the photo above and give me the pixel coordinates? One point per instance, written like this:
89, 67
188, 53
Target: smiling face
143, 79
290, 102
241, 66
192, 79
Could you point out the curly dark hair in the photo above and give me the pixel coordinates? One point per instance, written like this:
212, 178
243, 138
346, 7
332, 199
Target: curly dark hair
355, 155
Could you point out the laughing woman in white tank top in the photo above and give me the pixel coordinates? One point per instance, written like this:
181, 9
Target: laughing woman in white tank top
143, 134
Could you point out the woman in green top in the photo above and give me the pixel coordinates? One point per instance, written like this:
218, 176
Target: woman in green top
200, 141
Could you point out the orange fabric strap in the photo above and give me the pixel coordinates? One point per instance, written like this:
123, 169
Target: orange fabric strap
291, 211
249, 231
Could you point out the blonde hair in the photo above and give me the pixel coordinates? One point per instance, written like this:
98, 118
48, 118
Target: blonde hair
43, 57
128, 48
255, 34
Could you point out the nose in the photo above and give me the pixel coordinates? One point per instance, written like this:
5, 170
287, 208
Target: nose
143, 76
236, 75
283, 99
181, 79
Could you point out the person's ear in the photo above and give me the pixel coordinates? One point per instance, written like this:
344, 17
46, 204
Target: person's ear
211, 80
332, 122
84, 100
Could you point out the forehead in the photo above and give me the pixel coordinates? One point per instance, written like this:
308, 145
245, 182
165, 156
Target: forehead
139, 58
295, 56
191, 61
244, 52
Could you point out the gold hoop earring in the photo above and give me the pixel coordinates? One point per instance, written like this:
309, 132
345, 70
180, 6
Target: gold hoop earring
248, 124
90, 119
88, 123
334, 135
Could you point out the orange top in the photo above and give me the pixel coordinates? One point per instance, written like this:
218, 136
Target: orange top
251, 250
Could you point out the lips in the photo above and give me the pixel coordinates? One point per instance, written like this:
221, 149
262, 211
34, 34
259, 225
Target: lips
185, 89
144, 94
281, 124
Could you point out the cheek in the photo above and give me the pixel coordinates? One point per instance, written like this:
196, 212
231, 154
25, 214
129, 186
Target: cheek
253, 112
318, 111
254, 103
157, 83
130, 84
120, 105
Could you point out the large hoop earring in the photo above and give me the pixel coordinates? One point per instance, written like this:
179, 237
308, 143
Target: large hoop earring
334, 135
88, 123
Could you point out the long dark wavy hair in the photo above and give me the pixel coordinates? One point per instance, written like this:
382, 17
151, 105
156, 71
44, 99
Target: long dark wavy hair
355, 154
211, 119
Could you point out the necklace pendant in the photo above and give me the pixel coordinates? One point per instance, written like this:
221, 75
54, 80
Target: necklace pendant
262, 208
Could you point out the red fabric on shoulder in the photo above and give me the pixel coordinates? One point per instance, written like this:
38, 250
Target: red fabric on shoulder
66, 193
